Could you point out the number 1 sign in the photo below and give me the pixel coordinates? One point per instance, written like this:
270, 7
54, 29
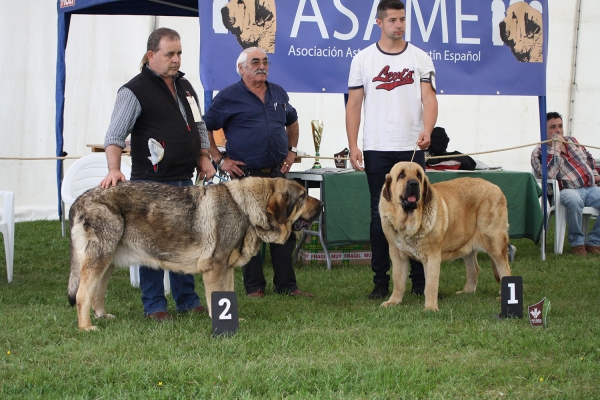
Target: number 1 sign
512, 297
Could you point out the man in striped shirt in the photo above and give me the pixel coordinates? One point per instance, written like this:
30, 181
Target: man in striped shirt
575, 170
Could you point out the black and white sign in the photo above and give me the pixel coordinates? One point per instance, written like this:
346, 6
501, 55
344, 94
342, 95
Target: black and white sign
512, 297
224, 309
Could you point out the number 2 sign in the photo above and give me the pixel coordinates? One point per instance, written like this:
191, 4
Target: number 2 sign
224, 310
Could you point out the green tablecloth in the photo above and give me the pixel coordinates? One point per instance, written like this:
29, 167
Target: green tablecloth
347, 209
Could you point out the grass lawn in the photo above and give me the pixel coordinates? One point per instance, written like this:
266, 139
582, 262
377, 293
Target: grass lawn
337, 345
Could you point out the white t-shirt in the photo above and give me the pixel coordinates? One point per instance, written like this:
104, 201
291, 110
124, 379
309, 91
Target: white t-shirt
393, 112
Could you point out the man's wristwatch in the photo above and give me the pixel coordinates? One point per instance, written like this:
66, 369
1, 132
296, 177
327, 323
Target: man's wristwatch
293, 149
222, 160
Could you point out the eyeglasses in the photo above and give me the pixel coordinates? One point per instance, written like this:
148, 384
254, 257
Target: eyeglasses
258, 63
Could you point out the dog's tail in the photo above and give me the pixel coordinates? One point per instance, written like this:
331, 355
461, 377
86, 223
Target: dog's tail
73, 286
73, 279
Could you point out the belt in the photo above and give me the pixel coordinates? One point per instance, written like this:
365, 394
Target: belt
261, 171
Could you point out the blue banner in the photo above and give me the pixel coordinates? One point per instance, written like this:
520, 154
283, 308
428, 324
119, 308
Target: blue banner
479, 47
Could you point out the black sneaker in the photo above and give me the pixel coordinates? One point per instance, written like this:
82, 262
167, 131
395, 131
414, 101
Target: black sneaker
380, 291
418, 290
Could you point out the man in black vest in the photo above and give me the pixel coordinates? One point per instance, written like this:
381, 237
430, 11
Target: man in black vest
160, 104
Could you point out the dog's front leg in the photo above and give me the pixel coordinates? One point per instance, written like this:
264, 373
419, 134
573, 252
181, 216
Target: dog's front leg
400, 266
432, 281
218, 278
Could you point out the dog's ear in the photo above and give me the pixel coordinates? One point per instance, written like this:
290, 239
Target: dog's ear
294, 193
427, 193
278, 207
386, 193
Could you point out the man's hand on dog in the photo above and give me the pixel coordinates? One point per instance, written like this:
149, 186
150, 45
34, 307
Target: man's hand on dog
112, 179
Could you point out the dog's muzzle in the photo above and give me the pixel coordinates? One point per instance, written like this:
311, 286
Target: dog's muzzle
302, 223
411, 195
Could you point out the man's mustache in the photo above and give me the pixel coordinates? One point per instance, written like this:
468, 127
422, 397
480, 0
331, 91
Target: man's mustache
261, 71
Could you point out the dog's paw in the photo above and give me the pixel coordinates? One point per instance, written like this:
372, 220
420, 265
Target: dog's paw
431, 308
388, 303
105, 316
89, 328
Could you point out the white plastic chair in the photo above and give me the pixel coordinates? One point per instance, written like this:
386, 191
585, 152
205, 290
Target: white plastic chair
560, 217
87, 173
7, 227
561, 220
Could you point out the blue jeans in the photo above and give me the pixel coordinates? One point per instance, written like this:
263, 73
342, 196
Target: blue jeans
574, 200
182, 285
377, 165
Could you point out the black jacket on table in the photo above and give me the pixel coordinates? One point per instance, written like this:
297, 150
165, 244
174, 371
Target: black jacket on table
466, 162
162, 120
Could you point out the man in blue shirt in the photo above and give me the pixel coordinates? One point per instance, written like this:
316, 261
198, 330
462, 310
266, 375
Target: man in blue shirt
261, 128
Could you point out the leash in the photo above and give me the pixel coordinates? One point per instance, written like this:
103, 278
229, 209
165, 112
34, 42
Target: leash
414, 152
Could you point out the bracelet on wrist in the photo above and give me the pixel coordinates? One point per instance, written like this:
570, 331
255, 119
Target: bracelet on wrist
222, 160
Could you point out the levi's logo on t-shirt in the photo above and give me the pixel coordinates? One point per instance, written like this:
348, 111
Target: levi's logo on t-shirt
392, 79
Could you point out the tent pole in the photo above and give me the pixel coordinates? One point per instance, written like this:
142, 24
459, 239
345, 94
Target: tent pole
542, 107
64, 20
574, 88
